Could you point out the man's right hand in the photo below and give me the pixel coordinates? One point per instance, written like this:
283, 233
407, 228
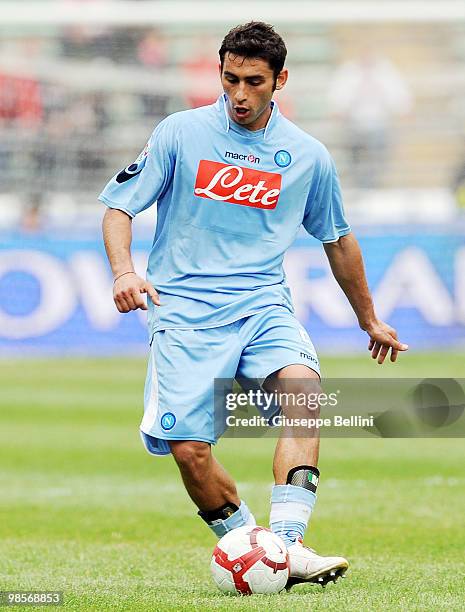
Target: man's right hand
128, 290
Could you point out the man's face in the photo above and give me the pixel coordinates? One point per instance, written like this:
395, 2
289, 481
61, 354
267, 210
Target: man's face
249, 84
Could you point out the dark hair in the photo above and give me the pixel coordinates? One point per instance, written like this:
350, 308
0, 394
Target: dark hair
256, 39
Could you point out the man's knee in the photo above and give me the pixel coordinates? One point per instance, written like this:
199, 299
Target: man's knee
299, 391
192, 457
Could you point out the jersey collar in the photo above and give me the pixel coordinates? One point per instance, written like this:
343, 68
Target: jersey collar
222, 106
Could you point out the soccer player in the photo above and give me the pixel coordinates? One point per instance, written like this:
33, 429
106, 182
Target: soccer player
233, 183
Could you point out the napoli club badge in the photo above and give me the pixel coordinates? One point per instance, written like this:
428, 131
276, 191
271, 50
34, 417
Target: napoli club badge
282, 158
168, 421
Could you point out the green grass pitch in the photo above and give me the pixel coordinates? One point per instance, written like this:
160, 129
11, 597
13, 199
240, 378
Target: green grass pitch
84, 509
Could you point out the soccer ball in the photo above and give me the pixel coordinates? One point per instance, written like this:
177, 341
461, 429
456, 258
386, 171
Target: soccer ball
250, 560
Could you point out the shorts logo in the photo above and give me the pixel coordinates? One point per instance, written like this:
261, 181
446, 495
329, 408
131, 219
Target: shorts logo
309, 357
244, 186
282, 159
168, 421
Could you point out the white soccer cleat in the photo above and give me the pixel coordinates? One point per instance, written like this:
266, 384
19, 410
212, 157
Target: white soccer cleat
307, 566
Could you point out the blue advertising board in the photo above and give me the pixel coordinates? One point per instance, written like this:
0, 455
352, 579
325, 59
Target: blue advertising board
56, 294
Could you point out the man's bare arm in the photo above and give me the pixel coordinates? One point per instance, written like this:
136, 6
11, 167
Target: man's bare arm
128, 286
346, 263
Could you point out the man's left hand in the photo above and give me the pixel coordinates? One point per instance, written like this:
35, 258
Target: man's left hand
383, 338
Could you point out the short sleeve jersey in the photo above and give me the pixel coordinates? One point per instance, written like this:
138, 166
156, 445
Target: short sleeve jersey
230, 202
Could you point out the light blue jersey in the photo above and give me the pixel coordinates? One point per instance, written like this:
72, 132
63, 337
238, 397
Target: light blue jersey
229, 204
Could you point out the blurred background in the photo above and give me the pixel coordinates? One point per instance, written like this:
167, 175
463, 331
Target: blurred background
83, 83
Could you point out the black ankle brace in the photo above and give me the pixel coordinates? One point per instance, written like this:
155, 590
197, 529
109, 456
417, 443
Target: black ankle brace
220, 514
305, 476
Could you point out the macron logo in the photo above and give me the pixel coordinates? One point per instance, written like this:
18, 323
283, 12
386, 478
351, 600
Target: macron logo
307, 356
250, 158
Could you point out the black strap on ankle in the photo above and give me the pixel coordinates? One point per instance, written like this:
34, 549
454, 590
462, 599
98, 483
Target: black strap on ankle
305, 476
220, 514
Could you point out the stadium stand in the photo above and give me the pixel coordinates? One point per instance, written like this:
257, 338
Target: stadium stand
78, 101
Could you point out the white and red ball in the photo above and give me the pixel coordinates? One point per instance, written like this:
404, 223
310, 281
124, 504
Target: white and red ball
250, 560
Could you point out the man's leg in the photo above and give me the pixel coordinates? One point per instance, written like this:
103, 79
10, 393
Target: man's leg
207, 482
182, 367
210, 487
296, 475
295, 447
296, 454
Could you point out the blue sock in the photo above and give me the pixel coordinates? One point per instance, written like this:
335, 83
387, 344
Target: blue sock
241, 517
291, 508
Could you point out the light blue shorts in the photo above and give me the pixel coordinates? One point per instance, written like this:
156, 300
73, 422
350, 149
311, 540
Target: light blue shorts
183, 364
